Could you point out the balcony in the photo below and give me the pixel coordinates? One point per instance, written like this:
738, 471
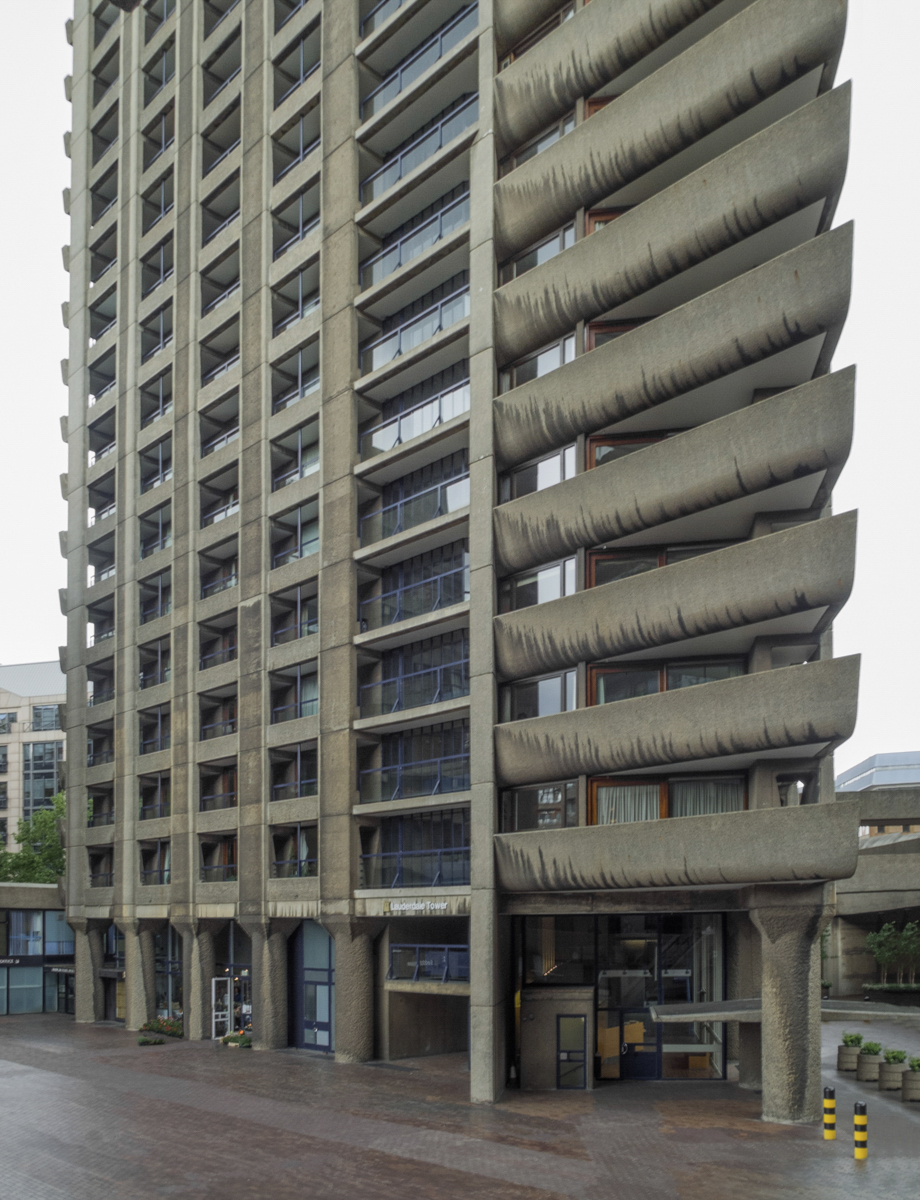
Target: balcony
433, 777
379, 267
96, 758
416, 599
421, 148
100, 696
296, 142
376, 17
293, 617
155, 878
153, 744
424, 963
296, 65
150, 812
415, 421
416, 330
215, 657
294, 791
291, 712
295, 868
221, 139
417, 868
212, 801
436, 501
217, 729
98, 819
425, 56
295, 535
101, 879
411, 691
219, 873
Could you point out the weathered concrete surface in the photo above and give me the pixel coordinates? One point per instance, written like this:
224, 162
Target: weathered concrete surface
887, 876
790, 165
514, 19
354, 990
600, 42
798, 433
734, 68
888, 806
772, 710
807, 567
799, 295
768, 845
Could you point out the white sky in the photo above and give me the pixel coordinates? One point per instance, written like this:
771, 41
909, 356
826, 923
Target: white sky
881, 619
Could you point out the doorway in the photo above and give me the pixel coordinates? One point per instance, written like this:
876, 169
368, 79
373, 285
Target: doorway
313, 988
571, 1056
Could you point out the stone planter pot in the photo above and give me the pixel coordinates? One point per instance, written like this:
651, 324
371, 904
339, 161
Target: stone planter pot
910, 1086
867, 1066
889, 1076
847, 1058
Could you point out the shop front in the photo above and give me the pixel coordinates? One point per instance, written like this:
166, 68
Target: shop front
36, 962
583, 990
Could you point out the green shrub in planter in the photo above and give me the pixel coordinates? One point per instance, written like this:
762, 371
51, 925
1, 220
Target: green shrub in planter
868, 1062
914, 1064
151, 1041
895, 1056
891, 1070
871, 1048
242, 1040
165, 1025
852, 1039
847, 1053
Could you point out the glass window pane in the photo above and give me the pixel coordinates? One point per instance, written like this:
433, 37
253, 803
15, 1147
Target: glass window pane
608, 570
25, 990
683, 675
611, 686
697, 797
571, 1033
620, 803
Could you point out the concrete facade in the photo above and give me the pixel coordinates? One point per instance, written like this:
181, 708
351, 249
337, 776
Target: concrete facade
406, 340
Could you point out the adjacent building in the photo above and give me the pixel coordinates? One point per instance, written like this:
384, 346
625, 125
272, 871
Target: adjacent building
451, 562
32, 698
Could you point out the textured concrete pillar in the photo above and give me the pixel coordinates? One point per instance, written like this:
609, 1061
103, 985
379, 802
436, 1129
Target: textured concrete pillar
88, 959
197, 973
269, 980
791, 995
354, 988
140, 972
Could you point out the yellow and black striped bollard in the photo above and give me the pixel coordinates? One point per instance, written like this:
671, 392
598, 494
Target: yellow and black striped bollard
860, 1131
830, 1115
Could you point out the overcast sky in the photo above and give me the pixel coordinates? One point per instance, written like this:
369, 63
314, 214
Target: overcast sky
881, 620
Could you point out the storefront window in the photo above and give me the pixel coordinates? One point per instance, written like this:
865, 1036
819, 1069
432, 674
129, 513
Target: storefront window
58, 934
559, 951
168, 950
233, 962
25, 936
25, 990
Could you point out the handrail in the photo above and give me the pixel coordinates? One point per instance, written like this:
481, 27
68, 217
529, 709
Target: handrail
100, 697
155, 744
437, 501
151, 546
428, 594
301, 708
101, 878
101, 576
454, 961
149, 812
301, 787
224, 295
94, 341
294, 11
298, 392
311, 302
299, 868
220, 158
221, 17
305, 75
102, 636
101, 818
219, 656
150, 612
415, 421
220, 228
156, 415
402, 75
414, 331
222, 439
424, 778
299, 235
448, 867
224, 83
224, 365
95, 758
228, 875
412, 244
158, 876
95, 397
154, 678
219, 585
308, 466
404, 694
99, 455
216, 729
379, 14
424, 146
306, 626
217, 800
154, 481
304, 550
100, 514
220, 513
305, 152
159, 154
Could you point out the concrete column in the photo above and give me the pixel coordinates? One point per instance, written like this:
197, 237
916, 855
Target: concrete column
354, 987
197, 973
791, 995
742, 977
140, 971
88, 949
269, 980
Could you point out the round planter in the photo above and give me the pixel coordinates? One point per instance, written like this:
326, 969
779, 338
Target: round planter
847, 1058
889, 1076
867, 1066
910, 1086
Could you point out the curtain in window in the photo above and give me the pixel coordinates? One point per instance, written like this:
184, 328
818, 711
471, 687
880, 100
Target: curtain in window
621, 803
695, 797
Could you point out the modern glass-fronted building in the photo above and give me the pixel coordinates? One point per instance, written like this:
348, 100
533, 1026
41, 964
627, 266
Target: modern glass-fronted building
37, 972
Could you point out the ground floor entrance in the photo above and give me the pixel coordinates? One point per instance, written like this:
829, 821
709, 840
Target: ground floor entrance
311, 994
599, 976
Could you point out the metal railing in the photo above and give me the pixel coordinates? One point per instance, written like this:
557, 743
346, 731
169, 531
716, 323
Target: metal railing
417, 868
291, 712
100, 879
424, 146
223, 366
103, 696
301, 154
446, 964
415, 242
300, 232
436, 501
217, 800
309, 385
221, 83
149, 812
222, 873
216, 729
216, 657
446, 682
154, 481
101, 576
211, 516
150, 612
222, 439
415, 599
154, 744
430, 52
97, 337
219, 585
294, 791
308, 466
221, 227
295, 868
417, 420
152, 678
308, 304
308, 545
99, 455
100, 514
306, 625
156, 414
101, 818
156, 543
223, 15
156, 877
102, 636
97, 395
431, 777
224, 153
379, 14
415, 331
305, 74
219, 299
96, 758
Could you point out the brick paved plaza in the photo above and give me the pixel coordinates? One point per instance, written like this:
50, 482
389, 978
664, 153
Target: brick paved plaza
87, 1114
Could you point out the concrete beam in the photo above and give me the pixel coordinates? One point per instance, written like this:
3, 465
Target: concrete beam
772, 710
796, 570
800, 295
792, 435
791, 165
769, 845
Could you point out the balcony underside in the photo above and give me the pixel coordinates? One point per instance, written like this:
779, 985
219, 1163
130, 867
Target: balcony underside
770, 711
514, 19
792, 165
771, 845
799, 297
801, 433
789, 582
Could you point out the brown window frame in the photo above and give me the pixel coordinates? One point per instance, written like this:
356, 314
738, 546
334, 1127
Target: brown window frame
593, 328
595, 441
537, 35
595, 103
598, 218
663, 781
662, 665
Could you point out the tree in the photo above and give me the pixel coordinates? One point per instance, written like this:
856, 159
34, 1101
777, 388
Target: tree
886, 946
910, 949
41, 859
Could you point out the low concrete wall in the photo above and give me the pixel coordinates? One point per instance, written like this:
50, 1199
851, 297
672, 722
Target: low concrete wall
30, 895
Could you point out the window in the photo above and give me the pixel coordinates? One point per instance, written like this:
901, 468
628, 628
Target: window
168, 979
551, 582
616, 802
609, 566
4, 799
294, 771
4, 761
541, 697
42, 766
606, 685
599, 333
221, 138
418, 850
537, 145
217, 713
296, 64
3, 828
156, 332
157, 266
598, 218
159, 70
434, 580
154, 863
295, 297
154, 729
294, 614
220, 496
295, 456
294, 851
46, 716
295, 693
154, 795
217, 641
105, 134
419, 409
432, 491
535, 256
546, 806
103, 194
601, 450
59, 937
420, 762
219, 567
425, 672
218, 858
535, 476
157, 201
540, 363
7, 721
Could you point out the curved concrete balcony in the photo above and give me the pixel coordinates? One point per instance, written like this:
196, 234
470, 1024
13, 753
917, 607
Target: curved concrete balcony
804, 434
716, 723
800, 295
795, 164
734, 69
768, 845
514, 19
788, 582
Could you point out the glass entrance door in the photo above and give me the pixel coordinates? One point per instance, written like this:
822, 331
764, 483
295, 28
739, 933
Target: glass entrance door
570, 1052
318, 987
220, 1007
639, 1048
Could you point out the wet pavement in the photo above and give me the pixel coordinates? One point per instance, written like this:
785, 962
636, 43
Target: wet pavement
87, 1113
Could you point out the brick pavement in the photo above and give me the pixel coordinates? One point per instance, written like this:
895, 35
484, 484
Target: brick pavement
87, 1113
